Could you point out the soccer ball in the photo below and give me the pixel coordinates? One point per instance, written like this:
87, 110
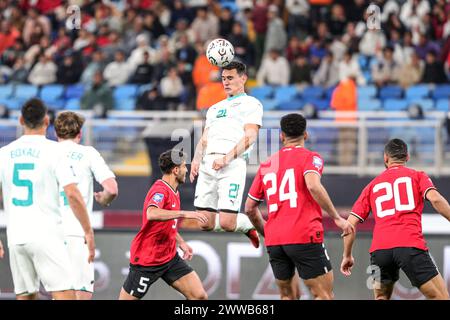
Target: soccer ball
220, 52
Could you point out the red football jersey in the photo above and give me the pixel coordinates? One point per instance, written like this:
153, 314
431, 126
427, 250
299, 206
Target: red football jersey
155, 244
396, 199
294, 217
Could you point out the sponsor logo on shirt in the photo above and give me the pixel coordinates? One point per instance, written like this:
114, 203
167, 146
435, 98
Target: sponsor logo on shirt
158, 197
317, 162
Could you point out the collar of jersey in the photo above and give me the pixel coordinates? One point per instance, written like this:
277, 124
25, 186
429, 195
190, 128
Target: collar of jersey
32, 136
176, 192
236, 96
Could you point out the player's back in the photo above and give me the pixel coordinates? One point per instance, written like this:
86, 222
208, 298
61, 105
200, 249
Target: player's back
396, 199
28, 174
293, 215
87, 163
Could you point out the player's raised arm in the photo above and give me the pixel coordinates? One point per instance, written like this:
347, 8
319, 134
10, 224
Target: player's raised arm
439, 203
109, 192
157, 214
347, 257
321, 196
198, 155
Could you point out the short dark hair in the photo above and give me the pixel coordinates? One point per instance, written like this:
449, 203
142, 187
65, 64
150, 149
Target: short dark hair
293, 125
68, 124
33, 113
396, 149
239, 66
170, 159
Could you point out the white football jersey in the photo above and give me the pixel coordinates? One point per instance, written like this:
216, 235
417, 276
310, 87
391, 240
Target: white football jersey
32, 172
87, 164
226, 119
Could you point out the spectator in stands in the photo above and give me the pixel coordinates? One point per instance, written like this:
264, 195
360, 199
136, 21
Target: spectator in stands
211, 93
226, 22
385, 71
132, 37
179, 12
118, 71
300, 71
298, 17
8, 35
328, 73
164, 48
201, 73
338, 20
43, 72
425, 46
32, 21
274, 69
82, 40
317, 50
350, 38
372, 42
205, 26
412, 10
144, 71
185, 73
137, 55
150, 100
276, 37
19, 72
171, 89
68, 71
153, 25
434, 70
294, 48
185, 51
241, 44
349, 69
99, 94
394, 23
114, 44
259, 17
98, 63
411, 72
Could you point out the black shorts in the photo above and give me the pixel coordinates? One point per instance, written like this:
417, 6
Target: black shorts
140, 278
311, 260
415, 263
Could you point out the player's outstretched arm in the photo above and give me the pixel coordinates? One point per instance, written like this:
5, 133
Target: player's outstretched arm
254, 214
347, 257
109, 192
187, 249
439, 203
2, 251
78, 207
321, 196
198, 155
157, 214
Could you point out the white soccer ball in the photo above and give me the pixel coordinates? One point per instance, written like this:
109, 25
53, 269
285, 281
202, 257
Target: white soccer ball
220, 52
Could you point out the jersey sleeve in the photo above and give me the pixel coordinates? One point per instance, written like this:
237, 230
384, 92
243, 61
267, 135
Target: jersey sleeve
64, 172
425, 184
361, 208
99, 167
314, 163
254, 113
256, 191
158, 197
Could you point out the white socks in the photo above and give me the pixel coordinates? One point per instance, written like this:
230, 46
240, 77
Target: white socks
243, 224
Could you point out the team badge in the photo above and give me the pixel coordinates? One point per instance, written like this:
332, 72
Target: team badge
158, 197
317, 162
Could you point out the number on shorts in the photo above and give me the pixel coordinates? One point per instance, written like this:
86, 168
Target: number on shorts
143, 282
393, 191
26, 183
234, 189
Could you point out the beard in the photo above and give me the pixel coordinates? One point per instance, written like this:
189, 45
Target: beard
181, 179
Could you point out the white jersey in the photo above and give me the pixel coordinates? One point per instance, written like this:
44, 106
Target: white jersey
87, 164
226, 119
32, 171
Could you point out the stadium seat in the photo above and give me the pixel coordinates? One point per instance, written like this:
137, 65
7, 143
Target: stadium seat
127, 91
395, 104
6, 91
25, 91
329, 92
363, 61
320, 104
11, 103
143, 88
125, 104
51, 92
57, 104
269, 104
417, 92
262, 92
441, 91
391, 92
369, 104
295, 104
368, 76
442, 104
75, 91
230, 5
312, 92
367, 92
73, 104
426, 104
285, 93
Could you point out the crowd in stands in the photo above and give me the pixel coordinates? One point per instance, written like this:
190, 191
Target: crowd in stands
160, 45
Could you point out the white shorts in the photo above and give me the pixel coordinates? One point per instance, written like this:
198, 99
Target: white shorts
83, 270
46, 261
222, 189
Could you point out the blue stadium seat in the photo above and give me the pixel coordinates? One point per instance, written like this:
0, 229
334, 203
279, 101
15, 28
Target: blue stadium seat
57, 104
11, 103
51, 92
369, 104
25, 91
75, 91
417, 91
6, 91
442, 104
126, 91
329, 92
426, 104
73, 104
230, 5
395, 104
441, 91
320, 104
312, 92
269, 104
295, 104
262, 92
127, 104
367, 92
285, 93
363, 61
391, 92
143, 88
368, 76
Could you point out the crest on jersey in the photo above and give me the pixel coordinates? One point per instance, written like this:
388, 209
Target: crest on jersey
317, 162
158, 197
